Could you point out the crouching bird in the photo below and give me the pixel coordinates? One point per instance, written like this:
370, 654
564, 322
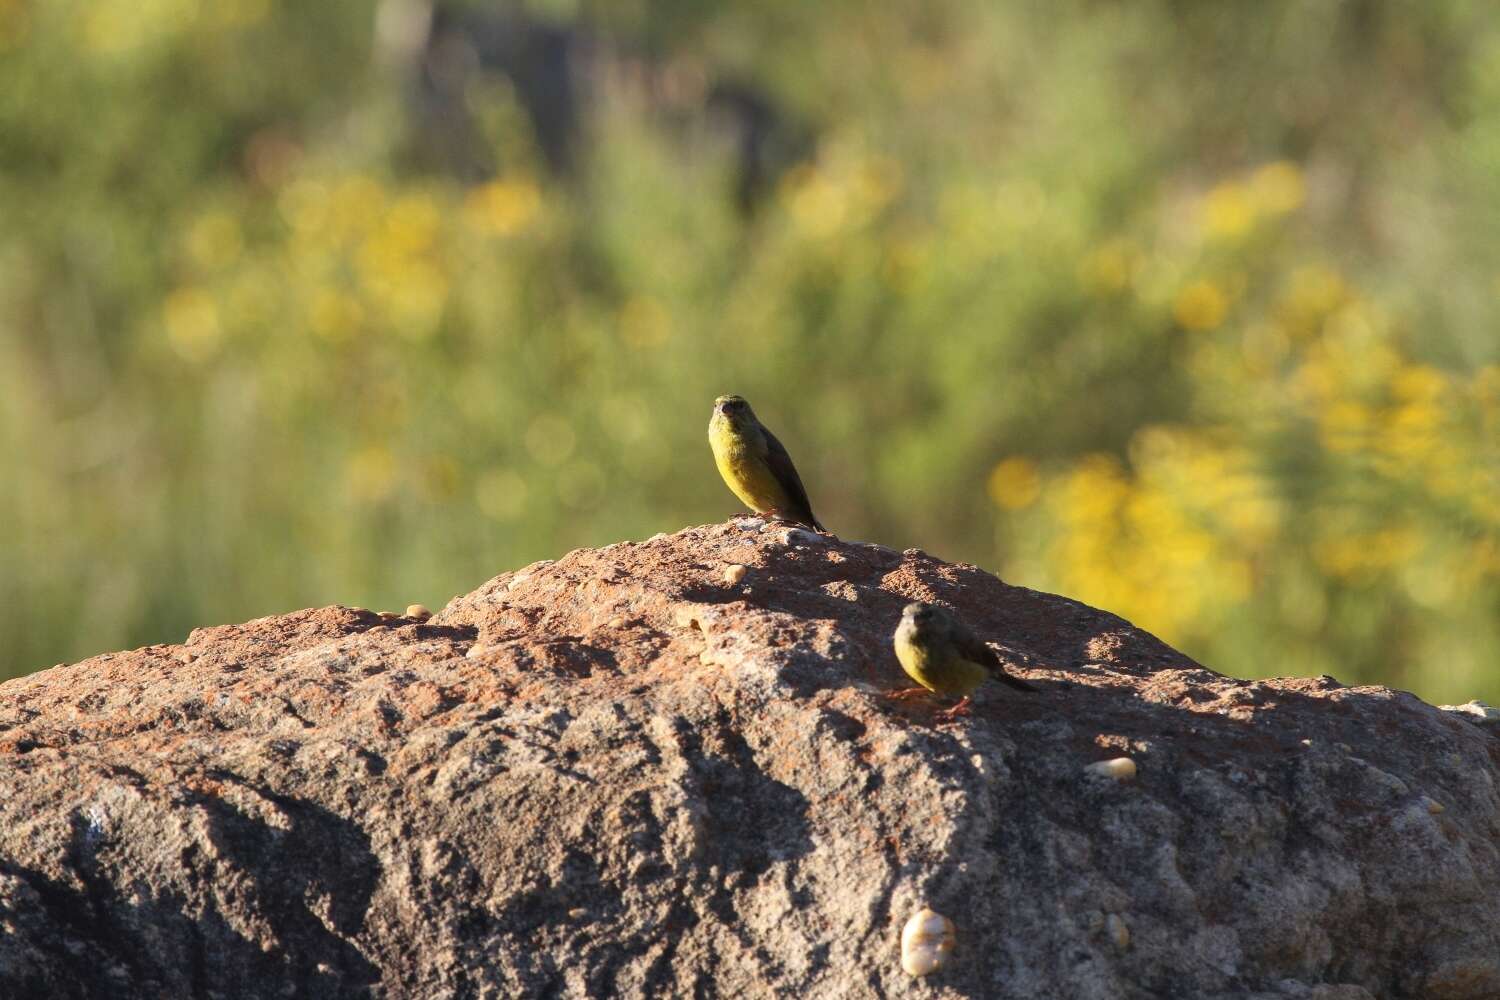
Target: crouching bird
941, 654
756, 466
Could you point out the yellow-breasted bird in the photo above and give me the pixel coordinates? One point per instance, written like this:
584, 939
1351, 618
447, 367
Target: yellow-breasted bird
940, 653
755, 465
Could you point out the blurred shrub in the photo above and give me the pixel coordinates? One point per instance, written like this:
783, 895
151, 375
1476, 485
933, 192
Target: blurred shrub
1184, 311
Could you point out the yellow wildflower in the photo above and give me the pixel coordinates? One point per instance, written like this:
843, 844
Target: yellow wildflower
1200, 306
1278, 187
1015, 483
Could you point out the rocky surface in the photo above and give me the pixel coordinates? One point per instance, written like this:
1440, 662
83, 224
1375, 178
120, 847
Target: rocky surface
638, 771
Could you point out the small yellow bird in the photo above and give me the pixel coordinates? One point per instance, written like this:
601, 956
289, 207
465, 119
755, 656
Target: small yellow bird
941, 654
755, 465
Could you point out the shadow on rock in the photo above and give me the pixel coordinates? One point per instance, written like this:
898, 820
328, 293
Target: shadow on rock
247, 909
646, 900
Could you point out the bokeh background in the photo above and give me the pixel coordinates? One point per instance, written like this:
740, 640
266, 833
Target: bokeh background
1190, 311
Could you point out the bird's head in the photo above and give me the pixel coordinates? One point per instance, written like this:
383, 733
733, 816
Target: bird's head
734, 409
920, 615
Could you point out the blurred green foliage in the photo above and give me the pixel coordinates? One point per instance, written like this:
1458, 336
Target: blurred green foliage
1185, 310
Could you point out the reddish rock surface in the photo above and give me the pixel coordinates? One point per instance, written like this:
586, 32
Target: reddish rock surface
620, 774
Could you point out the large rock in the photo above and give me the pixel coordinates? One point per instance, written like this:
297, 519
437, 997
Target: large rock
625, 773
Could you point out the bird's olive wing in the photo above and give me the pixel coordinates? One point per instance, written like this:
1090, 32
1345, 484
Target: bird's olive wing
786, 474
971, 648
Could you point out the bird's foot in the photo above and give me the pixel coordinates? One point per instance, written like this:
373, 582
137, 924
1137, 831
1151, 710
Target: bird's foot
904, 693
964, 707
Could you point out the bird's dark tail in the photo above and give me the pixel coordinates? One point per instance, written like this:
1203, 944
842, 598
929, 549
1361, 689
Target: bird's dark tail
806, 516
1015, 682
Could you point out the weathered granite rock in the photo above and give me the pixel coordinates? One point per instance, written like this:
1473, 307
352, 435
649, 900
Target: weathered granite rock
1476, 712
633, 772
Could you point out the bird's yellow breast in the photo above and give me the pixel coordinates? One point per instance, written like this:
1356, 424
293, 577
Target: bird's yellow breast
936, 666
744, 468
